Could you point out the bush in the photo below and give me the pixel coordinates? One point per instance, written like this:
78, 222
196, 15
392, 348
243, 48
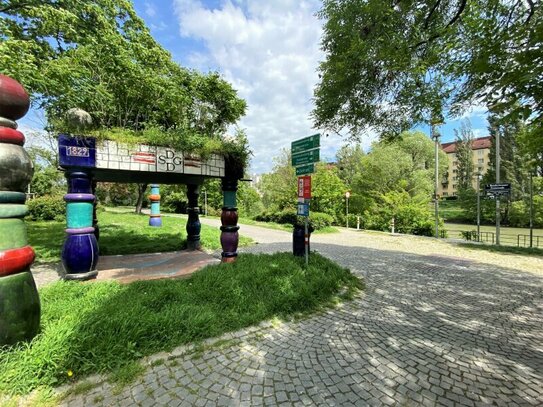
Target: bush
175, 202
48, 207
317, 220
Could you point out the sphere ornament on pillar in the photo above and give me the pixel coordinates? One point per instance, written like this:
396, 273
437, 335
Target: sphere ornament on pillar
19, 300
155, 219
78, 119
80, 251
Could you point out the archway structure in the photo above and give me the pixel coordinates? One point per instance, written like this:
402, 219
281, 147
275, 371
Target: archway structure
87, 160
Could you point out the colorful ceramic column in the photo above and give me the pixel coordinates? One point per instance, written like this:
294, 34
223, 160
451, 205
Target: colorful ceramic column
229, 220
155, 219
80, 251
193, 222
19, 300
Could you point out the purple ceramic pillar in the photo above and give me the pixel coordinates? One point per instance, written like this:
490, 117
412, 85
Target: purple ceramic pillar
193, 222
80, 251
229, 221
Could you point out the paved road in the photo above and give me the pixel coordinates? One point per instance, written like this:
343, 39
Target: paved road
437, 325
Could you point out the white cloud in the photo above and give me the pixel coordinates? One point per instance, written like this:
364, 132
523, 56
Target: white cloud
150, 9
475, 111
269, 51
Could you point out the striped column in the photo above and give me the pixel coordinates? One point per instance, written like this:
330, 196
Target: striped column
19, 300
193, 221
155, 219
229, 221
80, 250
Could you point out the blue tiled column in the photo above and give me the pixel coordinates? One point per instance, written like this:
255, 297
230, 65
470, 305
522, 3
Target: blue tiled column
80, 251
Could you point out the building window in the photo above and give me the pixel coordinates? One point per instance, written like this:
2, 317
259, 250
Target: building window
445, 194
481, 160
480, 152
454, 186
455, 171
455, 178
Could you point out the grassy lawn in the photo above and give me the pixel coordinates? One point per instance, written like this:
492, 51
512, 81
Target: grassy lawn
530, 251
123, 233
101, 327
450, 210
508, 236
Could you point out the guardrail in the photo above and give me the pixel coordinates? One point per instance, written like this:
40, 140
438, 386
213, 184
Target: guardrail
519, 240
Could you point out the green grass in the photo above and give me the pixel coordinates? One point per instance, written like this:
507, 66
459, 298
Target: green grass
508, 235
504, 249
105, 327
450, 210
123, 233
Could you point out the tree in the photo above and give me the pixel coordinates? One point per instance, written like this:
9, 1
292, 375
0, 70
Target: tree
349, 162
406, 164
99, 56
392, 64
464, 156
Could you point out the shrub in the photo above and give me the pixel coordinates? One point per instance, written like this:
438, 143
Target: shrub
48, 207
317, 220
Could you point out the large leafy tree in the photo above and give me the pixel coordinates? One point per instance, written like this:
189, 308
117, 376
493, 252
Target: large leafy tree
464, 156
392, 64
99, 56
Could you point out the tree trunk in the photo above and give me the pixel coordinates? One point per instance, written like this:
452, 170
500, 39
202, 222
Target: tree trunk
141, 192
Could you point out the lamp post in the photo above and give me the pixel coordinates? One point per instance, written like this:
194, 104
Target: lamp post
347, 195
498, 195
435, 137
479, 176
531, 208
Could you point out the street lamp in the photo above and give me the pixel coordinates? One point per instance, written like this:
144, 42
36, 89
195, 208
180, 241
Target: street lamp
479, 176
347, 195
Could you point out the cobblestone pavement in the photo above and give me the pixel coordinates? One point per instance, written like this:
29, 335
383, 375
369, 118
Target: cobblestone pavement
435, 328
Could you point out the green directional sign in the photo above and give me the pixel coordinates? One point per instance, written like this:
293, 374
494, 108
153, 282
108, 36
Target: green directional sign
306, 157
307, 143
305, 169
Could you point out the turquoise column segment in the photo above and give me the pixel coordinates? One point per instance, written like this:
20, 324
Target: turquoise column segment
155, 208
229, 198
79, 214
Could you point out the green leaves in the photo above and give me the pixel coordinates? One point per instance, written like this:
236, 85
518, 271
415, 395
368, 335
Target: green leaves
390, 65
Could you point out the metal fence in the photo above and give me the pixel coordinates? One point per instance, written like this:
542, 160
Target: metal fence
520, 240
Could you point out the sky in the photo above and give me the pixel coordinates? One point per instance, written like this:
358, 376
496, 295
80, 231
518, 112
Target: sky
269, 50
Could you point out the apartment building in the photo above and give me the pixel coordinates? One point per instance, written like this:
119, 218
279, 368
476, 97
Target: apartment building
480, 148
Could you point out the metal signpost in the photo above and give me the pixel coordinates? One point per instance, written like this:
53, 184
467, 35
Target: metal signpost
305, 152
347, 195
495, 191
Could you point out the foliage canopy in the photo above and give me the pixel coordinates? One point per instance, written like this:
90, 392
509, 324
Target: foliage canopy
392, 64
100, 57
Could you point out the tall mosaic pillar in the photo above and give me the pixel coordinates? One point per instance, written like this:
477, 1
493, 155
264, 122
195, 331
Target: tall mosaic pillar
80, 250
193, 222
19, 300
229, 221
155, 219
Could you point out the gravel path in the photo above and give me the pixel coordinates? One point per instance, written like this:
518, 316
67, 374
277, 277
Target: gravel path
436, 325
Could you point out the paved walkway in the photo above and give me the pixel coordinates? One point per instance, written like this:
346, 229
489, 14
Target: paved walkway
437, 325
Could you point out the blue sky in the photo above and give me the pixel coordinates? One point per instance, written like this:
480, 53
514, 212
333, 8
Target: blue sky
269, 51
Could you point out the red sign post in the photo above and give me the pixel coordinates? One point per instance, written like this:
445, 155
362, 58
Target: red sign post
304, 187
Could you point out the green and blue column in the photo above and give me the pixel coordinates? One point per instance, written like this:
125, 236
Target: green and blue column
154, 219
19, 300
80, 250
193, 221
229, 221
